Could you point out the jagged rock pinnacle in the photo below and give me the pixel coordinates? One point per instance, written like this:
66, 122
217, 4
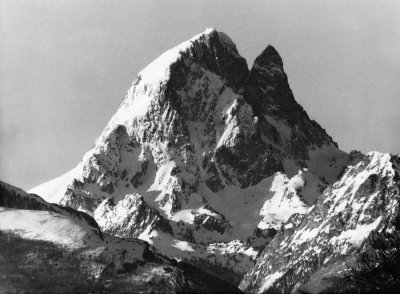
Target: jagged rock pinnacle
269, 57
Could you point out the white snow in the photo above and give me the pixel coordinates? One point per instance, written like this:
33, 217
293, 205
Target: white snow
288, 226
158, 70
234, 246
188, 215
184, 215
347, 186
54, 190
163, 177
355, 236
47, 226
286, 200
183, 245
240, 123
269, 280
305, 235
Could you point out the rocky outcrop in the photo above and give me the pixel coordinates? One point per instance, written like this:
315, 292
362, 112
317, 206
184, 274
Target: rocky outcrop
130, 217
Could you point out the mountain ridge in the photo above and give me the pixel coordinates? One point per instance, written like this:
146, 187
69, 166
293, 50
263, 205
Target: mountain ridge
332, 233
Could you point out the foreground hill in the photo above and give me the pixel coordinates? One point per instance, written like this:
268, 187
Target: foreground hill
47, 248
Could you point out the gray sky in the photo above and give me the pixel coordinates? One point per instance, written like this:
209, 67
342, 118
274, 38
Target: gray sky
65, 67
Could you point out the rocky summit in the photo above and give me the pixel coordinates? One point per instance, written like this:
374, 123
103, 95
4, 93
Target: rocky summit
217, 165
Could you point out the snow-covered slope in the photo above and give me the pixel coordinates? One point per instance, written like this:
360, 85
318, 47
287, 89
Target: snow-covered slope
192, 156
365, 199
288, 198
47, 243
44, 225
30, 217
55, 189
27, 213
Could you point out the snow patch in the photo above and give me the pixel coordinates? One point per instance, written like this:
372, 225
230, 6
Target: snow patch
54, 190
47, 226
270, 279
355, 236
183, 245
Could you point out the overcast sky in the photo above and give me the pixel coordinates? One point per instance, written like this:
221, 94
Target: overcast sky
65, 67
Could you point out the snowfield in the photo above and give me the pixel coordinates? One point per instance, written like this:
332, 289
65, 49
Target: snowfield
47, 226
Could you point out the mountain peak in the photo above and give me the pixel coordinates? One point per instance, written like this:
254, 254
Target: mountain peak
197, 133
159, 70
207, 161
268, 58
223, 38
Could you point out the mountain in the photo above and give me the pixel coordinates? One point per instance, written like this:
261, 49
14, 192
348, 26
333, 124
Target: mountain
47, 248
204, 159
217, 165
312, 248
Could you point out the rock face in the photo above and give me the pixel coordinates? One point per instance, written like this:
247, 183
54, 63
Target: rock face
194, 153
365, 199
128, 215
